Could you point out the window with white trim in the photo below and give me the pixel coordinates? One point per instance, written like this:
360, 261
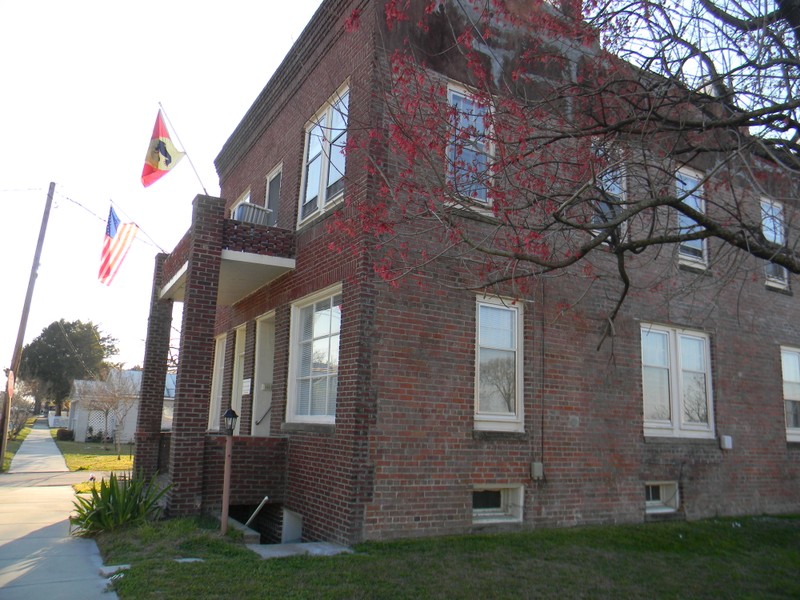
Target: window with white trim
790, 364
314, 357
774, 229
498, 370
215, 404
690, 192
497, 504
324, 157
611, 189
243, 199
676, 382
661, 497
469, 150
272, 195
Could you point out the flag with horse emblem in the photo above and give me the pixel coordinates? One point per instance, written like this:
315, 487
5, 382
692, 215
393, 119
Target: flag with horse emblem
162, 155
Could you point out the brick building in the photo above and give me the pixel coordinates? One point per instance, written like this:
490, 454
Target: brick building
362, 410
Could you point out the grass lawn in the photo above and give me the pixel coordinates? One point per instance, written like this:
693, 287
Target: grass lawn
93, 456
12, 445
755, 557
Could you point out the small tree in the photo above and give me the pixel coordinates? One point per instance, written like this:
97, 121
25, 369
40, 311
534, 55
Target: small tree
114, 397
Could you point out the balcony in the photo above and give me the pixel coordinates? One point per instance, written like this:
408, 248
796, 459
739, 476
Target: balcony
252, 255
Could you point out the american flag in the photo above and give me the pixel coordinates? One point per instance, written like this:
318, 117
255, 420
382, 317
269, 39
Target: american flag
117, 241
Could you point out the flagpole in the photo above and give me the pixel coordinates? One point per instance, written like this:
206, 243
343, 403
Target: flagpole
166, 116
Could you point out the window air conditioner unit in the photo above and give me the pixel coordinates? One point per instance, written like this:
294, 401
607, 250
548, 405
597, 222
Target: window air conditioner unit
252, 213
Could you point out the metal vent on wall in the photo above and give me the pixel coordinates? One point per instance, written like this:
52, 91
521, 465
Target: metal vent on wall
252, 213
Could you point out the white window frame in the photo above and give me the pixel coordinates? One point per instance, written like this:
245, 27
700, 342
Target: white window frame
273, 210
215, 403
675, 425
295, 359
789, 395
243, 199
686, 253
496, 421
613, 175
772, 212
668, 500
482, 146
512, 501
324, 119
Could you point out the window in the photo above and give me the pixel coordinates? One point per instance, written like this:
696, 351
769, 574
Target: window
497, 505
498, 373
324, 163
216, 384
661, 497
314, 358
244, 199
790, 362
690, 192
273, 196
773, 227
610, 188
676, 382
469, 151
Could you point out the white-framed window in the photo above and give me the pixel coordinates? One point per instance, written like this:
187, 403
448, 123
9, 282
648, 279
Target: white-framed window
774, 229
215, 404
498, 368
790, 364
676, 382
272, 195
243, 199
314, 357
469, 151
500, 504
661, 497
611, 188
690, 192
324, 157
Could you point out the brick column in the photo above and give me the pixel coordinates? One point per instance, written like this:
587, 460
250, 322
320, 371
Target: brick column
156, 354
196, 359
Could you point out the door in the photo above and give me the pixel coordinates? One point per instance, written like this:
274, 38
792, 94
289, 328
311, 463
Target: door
265, 362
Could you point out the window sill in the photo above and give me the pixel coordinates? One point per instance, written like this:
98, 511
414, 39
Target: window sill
323, 428
487, 435
671, 440
778, 288
692, 266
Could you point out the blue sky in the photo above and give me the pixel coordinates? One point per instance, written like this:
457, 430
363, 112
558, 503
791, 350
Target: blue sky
81, 86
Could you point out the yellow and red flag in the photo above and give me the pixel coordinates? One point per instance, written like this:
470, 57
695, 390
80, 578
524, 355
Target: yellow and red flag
162, 155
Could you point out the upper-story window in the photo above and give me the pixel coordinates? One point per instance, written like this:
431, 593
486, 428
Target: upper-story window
243, 199
324, 162
611, 184
676, 382
689, 190
790, 362
272, 196
498, 372
774, 229
469, 150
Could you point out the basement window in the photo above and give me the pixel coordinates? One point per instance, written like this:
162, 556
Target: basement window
661, 497
497, 505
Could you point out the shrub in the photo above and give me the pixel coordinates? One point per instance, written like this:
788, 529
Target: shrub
119, 501
65, 435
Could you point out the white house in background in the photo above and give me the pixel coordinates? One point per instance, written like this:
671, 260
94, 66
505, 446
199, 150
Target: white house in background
101, 407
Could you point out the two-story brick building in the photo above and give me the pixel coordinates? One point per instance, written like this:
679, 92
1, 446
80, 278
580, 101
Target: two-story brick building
369, 410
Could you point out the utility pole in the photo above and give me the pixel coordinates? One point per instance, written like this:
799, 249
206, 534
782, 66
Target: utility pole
26, 308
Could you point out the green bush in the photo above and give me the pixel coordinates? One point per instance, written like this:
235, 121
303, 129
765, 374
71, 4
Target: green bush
64, 434
120, 501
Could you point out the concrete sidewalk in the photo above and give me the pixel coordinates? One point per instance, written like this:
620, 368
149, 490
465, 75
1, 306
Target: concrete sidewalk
38, 556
